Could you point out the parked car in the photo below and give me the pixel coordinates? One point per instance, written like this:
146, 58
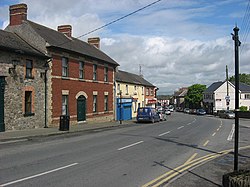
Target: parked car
147, 114
171, 108
226, 114
192, 111
167, 112
200, 112
186, 110
162, 114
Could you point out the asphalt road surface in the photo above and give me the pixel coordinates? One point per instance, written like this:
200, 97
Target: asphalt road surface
126, 157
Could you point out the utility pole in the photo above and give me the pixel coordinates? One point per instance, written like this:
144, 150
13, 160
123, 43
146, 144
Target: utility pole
227, 97
236, 141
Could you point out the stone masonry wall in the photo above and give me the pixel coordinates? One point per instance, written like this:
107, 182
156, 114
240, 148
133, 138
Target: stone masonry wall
15, 87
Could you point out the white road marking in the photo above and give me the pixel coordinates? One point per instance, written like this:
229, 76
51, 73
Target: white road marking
130, 145
214, 134
14, 141
164, 133
180, 127
37, 175
230, 136
189, 124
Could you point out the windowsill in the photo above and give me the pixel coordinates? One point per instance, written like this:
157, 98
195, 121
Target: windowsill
96, 81
95, 113
65, 78
82, 80
28, 114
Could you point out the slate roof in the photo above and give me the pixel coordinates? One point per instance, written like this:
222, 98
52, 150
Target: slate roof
58, 39
126, 77
11, 42
181, 92
213, 87
244, 88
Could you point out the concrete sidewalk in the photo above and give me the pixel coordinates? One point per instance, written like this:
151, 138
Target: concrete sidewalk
14, 135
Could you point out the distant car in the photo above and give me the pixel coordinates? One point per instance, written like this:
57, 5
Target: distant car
147, 114
162, 115
192, 111
167, 112
228, 114
171, 108
186, 110
200, 112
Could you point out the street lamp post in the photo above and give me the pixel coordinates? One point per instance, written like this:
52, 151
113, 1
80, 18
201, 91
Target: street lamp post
236, 141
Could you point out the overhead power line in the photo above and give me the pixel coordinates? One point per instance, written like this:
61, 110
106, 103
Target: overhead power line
245, 26
118, 19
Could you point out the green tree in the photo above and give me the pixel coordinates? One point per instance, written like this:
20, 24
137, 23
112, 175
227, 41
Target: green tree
194, 96
244, 78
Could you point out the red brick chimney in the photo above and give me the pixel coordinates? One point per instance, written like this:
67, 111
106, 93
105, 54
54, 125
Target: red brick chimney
95, 42
18, 14
65, 29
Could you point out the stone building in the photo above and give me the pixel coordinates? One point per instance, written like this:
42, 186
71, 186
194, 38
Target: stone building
22, 86
80, 76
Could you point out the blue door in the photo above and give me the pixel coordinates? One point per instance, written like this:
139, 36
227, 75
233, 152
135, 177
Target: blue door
124, 109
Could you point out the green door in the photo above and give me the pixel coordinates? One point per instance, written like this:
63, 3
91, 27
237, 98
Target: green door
81, 108
2, 85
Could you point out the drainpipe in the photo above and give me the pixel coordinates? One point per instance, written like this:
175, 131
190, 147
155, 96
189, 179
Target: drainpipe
46, 66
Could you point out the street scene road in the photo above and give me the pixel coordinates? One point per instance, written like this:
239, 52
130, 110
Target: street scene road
142, 154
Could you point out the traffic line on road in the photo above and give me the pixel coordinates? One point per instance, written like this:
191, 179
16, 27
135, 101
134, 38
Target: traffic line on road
180, 127
38, 175
130, 145
218, 129
214, 134
230, 136
191, 158
205, 144
164, 133
166, 177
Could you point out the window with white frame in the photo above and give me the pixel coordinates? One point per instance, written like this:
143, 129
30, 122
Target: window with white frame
147, 91
105, 74
65, 67
118, 88
247, 96
95, 72
127, 89
106, 103
94, 103
81, 70
65, 110
142, 90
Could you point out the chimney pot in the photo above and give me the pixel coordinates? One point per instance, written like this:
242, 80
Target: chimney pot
18, 14
65, 29
94, 41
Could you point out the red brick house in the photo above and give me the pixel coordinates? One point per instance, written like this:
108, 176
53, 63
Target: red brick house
80, 75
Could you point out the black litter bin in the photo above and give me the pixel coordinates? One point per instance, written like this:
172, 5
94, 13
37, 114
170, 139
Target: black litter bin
64, 123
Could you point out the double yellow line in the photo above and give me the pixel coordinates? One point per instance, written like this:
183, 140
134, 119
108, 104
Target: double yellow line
187, 165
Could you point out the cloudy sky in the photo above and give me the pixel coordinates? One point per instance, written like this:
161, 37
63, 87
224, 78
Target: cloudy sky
177, 43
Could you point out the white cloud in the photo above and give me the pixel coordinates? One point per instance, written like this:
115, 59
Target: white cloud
177, 43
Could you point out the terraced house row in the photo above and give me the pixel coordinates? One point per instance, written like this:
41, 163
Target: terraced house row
46, 73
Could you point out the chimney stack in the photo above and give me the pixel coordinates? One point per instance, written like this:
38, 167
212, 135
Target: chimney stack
18, 14
65, 29
95, 42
